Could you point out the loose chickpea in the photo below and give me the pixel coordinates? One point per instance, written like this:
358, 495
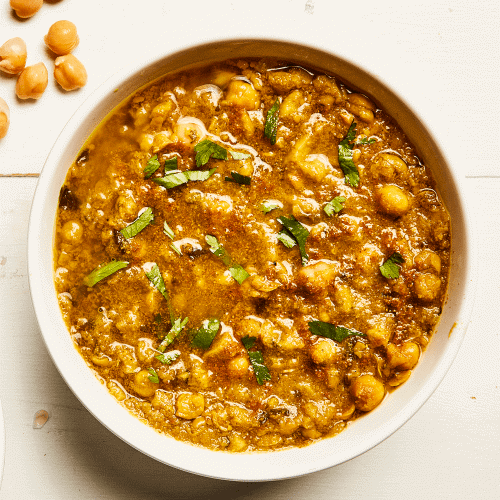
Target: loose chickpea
13, 56
242, 94
189, 406
367, 392
72, 231
4, 118
69, 72
62, 37
324, 352
32, 82
238, 367
427, 260
26, 8
427, 287
393, 200
403, 357
142, 384
389, 167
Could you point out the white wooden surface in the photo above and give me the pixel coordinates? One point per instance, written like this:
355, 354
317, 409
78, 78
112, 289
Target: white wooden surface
442, 56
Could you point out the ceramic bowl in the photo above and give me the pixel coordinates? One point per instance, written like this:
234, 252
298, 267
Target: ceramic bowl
365, 432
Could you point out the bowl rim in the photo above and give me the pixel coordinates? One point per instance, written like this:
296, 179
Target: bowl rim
241, 467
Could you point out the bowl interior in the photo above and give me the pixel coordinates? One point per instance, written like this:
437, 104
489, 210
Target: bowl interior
365, 432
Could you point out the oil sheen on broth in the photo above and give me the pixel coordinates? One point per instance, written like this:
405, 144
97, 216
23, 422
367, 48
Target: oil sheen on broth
250, 255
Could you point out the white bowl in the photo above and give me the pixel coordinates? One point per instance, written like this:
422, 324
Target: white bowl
364, 433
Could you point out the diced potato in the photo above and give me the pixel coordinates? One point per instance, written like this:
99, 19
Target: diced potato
242, 94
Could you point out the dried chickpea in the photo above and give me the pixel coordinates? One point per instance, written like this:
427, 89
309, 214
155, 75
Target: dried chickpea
4, 118
26, 8
69, 72
13, 56
32, 82
62, 38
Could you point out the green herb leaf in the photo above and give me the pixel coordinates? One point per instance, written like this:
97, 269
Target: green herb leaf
168, 358
179, 178
268, 205
168, 231
103, 271
151, 166
239, 179
171, 164
390, 268
238, 155
334, 206
174, 332
337, 333
206, 334
154, 376
154, 275
286, 238
271, 125
345, 157
207, 149
257, 360
175, 249
299, 232
139, 224
237, 271
364, 141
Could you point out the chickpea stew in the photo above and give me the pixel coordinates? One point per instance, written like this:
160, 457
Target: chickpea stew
249, 255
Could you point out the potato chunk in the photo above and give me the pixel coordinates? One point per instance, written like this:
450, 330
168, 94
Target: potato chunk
242, 94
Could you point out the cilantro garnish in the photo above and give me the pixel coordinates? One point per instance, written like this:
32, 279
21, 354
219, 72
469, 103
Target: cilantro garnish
139, 224
154, 376
238, 155
271, 125
103, 271
176, 179
207, 149
268, 205
238, 178
328, 330
237, 271
364, 141
173, 333
154, 275
175, 249
286, 238
334, 206
168, 358
345, 157
205, 335
171, 164
390, 268
151, 166
257, 360
299, 232
168, 231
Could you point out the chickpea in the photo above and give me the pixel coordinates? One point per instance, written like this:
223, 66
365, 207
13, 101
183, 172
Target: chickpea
427, 287
367, 392
361, 106
190, 406
427, 260
26, 8
403, 357
388, 167
72, 231
142, 385
242, 94
393, 200
324, 352
189, 130
69, 72
32, 82
62, 38
13, 56
4, 118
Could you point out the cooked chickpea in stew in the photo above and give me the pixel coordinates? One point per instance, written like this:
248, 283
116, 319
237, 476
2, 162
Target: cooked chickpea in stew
250, 255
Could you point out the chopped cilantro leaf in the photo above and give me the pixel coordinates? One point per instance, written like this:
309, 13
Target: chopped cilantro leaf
345, 157
207, 149
168, 358
334, 206
171, 164
257, 360
175, 249
151, 166
337, 333
237, 271
239, 179
174, 332
154, 275
154, 376
286, 238
390, 268
271, 125
206, 334
268, 205
299, 232
103, 271
139, 224
238, 155
176, 179
168, 231
365, 141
